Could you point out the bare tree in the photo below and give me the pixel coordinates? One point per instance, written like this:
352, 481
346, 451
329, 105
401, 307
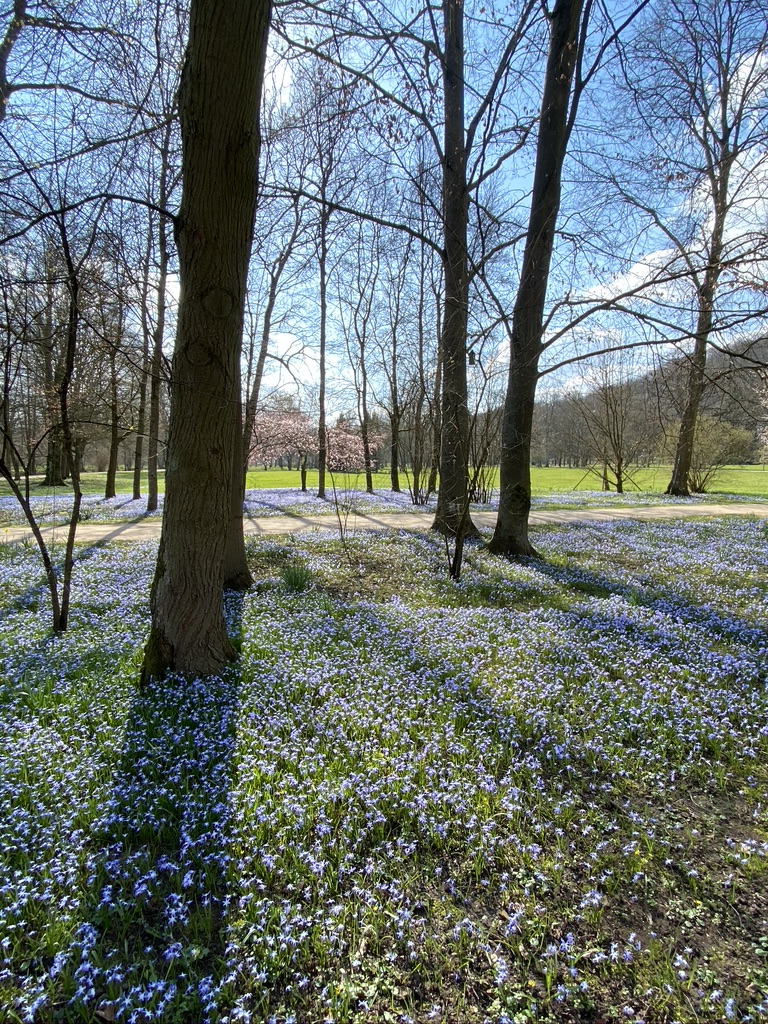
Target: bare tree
566, 77
459, 110
356, 307
614, 418
699, 79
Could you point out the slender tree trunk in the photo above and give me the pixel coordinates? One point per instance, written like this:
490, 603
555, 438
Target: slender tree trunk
511, 534
54, 450
219, 110
252, 399
156, 370
237, 575
114, 428
394, 450
303, 473
254, 391
437, 423
364, 422
417, 430
72, 450
141, 421
322, 434
452, 513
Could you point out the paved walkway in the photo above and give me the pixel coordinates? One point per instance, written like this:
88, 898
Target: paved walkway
149, 529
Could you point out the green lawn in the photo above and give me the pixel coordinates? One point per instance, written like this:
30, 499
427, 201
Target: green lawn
746, 480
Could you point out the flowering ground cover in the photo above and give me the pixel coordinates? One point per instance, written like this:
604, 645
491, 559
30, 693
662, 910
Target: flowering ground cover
537, 794
264, 503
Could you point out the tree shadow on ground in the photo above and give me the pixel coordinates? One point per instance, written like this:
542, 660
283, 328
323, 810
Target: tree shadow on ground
30, 598
152, 944
657, 597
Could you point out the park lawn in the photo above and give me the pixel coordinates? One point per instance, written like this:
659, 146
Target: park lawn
536, 794
742, 480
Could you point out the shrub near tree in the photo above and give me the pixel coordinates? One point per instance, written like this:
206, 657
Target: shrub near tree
718, 444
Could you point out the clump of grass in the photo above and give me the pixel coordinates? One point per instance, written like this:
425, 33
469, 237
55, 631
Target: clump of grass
296, 576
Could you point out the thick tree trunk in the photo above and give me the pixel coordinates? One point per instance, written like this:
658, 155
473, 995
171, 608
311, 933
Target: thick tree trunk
511, 534
679, 484
451, 516
219, 108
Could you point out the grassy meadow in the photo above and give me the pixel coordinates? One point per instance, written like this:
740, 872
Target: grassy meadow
742, 480
539, 793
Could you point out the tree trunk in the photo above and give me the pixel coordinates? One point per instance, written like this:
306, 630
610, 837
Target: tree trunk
451, 516
511, 534
156, 371
54, 450
252, 399
394, 451
437, 425
322, 435
679, 484
417, 429
141, 420
219, 110
303, 473
237, 575
72, 449
114, 428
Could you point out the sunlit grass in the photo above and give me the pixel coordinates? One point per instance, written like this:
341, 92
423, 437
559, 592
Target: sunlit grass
745, 480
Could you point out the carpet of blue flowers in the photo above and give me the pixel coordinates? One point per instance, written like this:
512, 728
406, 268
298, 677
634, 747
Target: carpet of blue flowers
56, 507
537, 794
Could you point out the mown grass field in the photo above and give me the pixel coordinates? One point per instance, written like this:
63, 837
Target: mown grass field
744, 480
539, 793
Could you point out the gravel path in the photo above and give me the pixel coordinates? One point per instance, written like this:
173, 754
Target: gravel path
149, 529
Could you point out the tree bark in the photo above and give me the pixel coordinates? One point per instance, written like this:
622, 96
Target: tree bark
394, 450
679, 484
322, 436
141, 421
114, 428
511, 534
54, 476
237, 575
156, 369
219, 110
437, 424
451, 515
